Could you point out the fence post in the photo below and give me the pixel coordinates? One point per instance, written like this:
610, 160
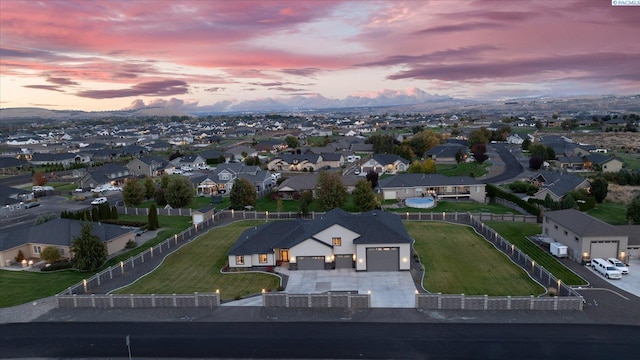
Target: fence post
175, 301
133, 304
195, 295
111, 300
462, 301
153, 300
486, 301
531, 303
508, 302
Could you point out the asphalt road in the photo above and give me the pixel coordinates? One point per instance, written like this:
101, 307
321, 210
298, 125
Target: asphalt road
512, 166
318, 340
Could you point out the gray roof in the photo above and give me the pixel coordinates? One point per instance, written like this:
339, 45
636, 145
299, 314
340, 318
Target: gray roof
633, 231
291, 158
447, 150
385, 159
58, 232
558, 183
583, 224
301, 182
411, 180
598, 158
374, 227
331, 156
9, 162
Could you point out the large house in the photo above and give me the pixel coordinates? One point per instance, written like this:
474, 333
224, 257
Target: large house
308, 160
385, 164
221, 180
371, 241
32, 240
151, 166
557, 185
110, 174
585, 236
449, 153
403, 186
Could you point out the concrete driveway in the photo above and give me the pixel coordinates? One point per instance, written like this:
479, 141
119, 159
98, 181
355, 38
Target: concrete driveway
394, 289
630, 282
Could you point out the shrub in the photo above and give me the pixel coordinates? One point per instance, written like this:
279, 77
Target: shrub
58, 265
50, 254
131, 244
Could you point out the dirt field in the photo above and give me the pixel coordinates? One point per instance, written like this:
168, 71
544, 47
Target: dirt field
622, 194
609, 140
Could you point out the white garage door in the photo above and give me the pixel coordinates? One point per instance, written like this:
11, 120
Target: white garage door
604, 249
389, 195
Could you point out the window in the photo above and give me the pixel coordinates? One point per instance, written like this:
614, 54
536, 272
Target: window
566, 233
555, 227
36, 249
337, 241
262, 258
576, 238
239, 260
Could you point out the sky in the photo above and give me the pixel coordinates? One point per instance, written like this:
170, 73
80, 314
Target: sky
115, 55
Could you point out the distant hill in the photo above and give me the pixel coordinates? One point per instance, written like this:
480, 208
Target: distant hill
30, 114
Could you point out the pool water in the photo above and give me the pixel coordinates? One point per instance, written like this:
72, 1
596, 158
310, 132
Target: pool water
420, 202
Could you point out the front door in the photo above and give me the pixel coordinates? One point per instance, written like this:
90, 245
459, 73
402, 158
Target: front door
284, 255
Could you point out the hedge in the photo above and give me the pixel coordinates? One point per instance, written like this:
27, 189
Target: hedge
495, 192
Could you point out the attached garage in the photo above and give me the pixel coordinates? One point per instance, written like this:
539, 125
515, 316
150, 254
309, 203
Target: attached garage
389, 194
344, 261
383, 259
604, 249
310, 262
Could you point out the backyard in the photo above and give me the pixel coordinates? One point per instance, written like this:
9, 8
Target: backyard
196, 267
459, 261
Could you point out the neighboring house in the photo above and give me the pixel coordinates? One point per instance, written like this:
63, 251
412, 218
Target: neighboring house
604, 162
633, 246
41, 159
237, 152
159, 145
272, 146
222, 178
371, 241
147, 166
213, 156
575, 163
332, 160
585, 236
110, 174
385, 164
362, 148
295, 162
294, 186
447, 153
11, 165
192, 161
12, 199
59, 233
557, 185
404, 186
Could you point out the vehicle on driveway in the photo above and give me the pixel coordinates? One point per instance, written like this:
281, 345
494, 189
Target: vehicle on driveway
31, 204
606, 268
100, 200
619, 265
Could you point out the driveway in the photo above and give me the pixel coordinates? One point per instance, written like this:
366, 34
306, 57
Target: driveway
630, 282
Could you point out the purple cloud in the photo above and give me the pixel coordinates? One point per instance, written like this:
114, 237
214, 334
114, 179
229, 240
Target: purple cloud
61, 81
151, 88
45, 87
468, 52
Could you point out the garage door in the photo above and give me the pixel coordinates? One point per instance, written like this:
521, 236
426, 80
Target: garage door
383, 259
389, 194
310, 262
604, 249
344, 261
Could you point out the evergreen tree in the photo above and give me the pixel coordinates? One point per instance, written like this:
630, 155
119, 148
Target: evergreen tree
599, 189
89, 253
149, 187
242, 194
133, 192
153, 218
179, 191
363, 196
331, 191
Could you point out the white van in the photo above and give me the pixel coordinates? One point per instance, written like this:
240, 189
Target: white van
619, 265
606, 268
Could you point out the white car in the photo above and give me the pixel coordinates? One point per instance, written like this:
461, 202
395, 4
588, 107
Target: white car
619, 265
100, 200
114, 188
99, 189
186, 168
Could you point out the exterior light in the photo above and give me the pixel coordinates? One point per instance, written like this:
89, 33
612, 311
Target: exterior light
360, 261
217, 291
404, 259
263, 291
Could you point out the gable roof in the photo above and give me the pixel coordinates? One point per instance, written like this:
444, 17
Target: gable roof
583, 224
374, 227
411, 180
58, 232
558, 183
385, 159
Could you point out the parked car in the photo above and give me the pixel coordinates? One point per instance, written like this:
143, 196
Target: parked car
606, 268
114, 188
31, 204
100, 200
619, 265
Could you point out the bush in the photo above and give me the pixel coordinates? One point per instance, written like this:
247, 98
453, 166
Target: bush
20, 256
50, 254
131, 244
495, 192
120, 222
58, 265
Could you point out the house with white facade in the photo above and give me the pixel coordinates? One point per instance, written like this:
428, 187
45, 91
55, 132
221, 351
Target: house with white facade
403, 186
371, 241
385, 164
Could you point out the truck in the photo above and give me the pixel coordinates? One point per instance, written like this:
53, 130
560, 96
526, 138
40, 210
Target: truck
558, 249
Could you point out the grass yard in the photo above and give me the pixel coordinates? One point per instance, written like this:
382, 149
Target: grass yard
515, 233
196, 267
19, 287
196, 203
611, 213
463, 169
630, 160
459, 261
470, 206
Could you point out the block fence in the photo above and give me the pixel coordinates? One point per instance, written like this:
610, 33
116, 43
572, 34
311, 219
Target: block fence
325, 300
208, 300
464, 302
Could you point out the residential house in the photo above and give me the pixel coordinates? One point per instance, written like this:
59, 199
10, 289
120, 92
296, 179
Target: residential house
12, 199
32, 240
293, 187
109, 174
295, 162
331, 160
362, 148
42, 159
448, 153
213, 156
12, 165
403, 186
271, 146
385, 164
585, 236
557, 185
633, 245
192, 161
152, 166
241, 152
222, 178
371, 241
604, 162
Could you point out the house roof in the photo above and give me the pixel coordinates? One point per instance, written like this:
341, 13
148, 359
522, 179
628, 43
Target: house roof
331, 156
583, 224
58, 232
598, 158
447, 150
558, 183
411, 180
633, 231
385, 159
374, 227
9, 162
300, 182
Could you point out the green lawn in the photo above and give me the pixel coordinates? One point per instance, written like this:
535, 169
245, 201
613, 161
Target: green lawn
196, 203
631, 161
459, 261
516, 234
474, 207
611, 213
19, 287
61, 186
196, 267
463, 169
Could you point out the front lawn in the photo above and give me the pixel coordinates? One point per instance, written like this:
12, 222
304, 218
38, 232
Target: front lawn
459, 261
516, 234
611, 213
19, 287
196, 267
197, 202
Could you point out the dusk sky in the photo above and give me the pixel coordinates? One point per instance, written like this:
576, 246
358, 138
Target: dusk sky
112, 55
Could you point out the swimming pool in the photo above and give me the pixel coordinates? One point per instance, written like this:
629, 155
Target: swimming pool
420, 202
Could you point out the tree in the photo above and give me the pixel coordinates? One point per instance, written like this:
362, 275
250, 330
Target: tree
459, 156
149, 187
480, 136
133, 192
535, 162
153, 218
39, 178
526, 143
89, 252
50, 254
292, 141
423, 141
633, 210
427, 166
479, 153
568, 202
331, 191
242, 194
372, 178
363, 196
179, 191
599, 189
549, 153
159, 197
